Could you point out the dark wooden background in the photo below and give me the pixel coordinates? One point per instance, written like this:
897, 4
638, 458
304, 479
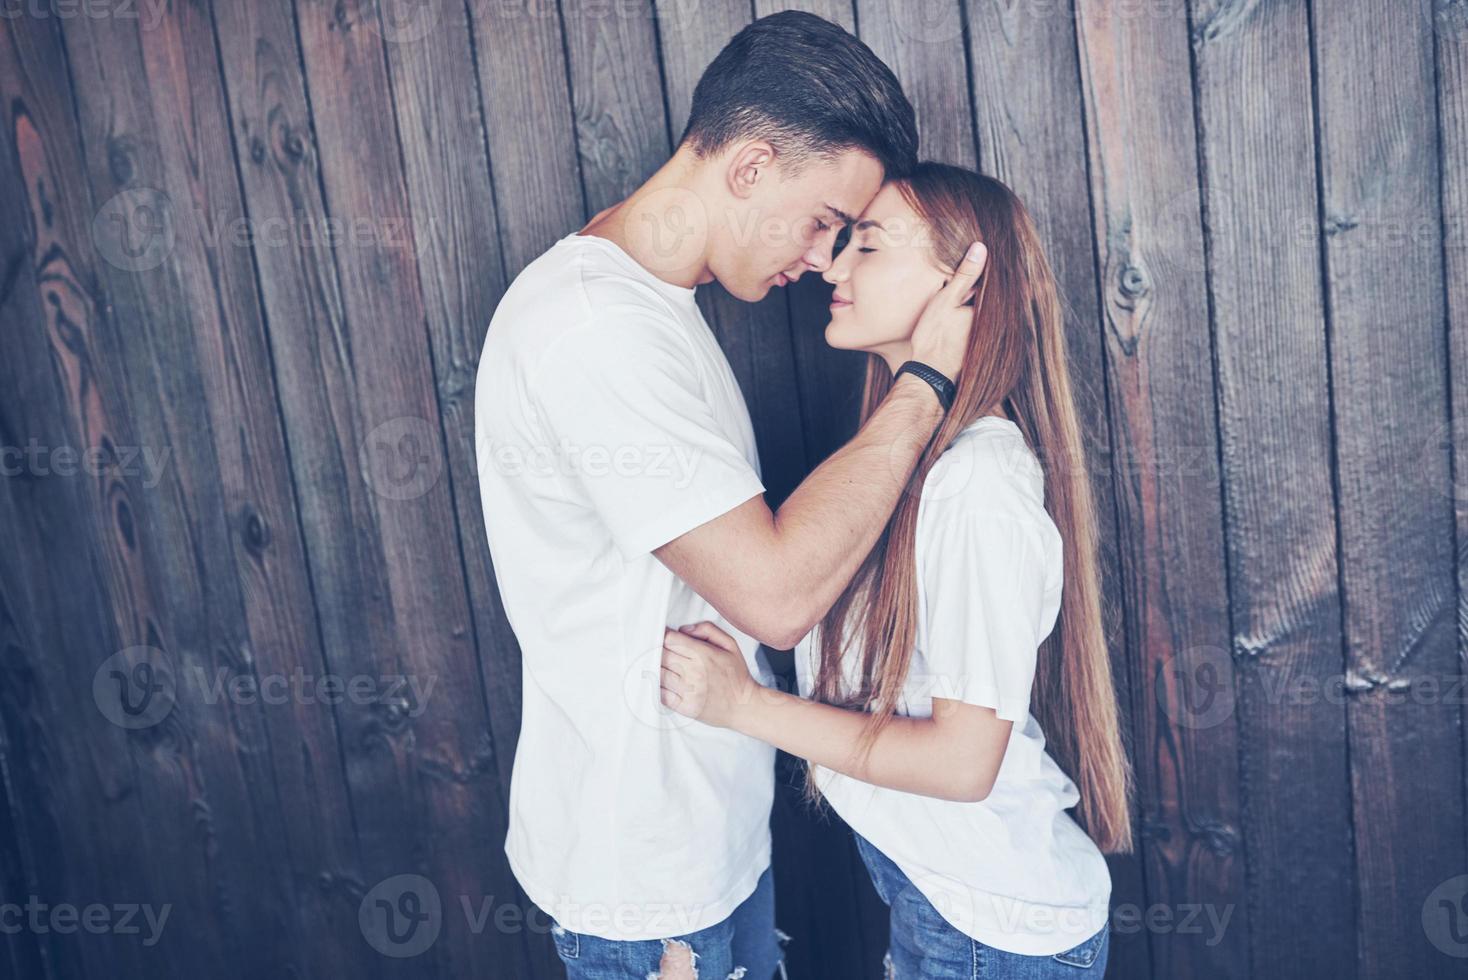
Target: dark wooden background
261, 240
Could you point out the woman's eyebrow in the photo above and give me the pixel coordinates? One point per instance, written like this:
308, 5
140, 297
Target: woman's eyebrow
866, 223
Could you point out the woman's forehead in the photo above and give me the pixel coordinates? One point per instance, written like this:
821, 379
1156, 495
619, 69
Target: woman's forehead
889, 203
890, 215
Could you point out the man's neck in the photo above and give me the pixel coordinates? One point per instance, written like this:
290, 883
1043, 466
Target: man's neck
664, 225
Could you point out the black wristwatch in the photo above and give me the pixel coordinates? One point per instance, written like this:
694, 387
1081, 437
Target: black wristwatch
944, 387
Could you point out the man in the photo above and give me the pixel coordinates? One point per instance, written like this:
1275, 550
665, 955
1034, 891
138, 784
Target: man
622, 494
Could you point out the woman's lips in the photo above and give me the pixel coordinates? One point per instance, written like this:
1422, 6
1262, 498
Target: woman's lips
839, 304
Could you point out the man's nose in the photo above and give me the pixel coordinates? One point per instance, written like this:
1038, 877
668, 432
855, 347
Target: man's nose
818, 257
834, 273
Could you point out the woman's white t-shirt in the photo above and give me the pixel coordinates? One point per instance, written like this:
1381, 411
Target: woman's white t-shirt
1014, 870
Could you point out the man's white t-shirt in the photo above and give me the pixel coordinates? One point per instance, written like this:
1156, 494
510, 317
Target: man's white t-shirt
608, 422
1013, 871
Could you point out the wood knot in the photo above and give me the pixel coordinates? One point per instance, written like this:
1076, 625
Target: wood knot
124, 515
294, 146
120, 160
1132, 280
256, 531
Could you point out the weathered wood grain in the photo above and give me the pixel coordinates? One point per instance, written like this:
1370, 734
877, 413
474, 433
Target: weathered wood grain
200, 775
1381, 204
1450, 30
1154, 306
1256, 216
923, 43
1257, 155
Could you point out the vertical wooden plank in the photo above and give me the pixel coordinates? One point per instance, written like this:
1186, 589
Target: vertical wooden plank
224, 527
617, 98
521, 59
20, 954
74, 552
20, 949
1142, 151
358, 395
1451, 34
755, 336
57, 842
435, 97
1031, 135
1257, 156
923, 43
436, 100
1383, 262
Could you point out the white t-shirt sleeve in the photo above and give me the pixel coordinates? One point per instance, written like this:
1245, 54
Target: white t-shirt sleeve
621, 401
984, 579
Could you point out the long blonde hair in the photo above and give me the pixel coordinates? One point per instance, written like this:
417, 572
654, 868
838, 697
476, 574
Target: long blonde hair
1016, 357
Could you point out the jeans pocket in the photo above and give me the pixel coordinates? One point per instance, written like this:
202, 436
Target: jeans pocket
1084, 955
568, 943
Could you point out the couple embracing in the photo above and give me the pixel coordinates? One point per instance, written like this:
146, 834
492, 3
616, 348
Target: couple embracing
936, 576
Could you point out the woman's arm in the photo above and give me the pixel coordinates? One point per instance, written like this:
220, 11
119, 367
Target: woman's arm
954, 755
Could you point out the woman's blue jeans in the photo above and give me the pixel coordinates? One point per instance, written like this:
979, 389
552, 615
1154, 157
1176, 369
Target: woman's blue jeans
924, 946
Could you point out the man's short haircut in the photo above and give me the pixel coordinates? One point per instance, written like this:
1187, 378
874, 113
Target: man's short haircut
807, 86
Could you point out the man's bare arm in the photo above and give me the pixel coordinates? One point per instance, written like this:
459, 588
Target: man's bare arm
774, 575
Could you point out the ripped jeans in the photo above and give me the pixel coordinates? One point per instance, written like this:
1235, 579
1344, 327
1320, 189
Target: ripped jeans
745, 946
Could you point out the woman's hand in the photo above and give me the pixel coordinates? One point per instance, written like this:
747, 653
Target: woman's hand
704, 675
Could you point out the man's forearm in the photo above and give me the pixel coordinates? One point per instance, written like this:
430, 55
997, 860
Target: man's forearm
832, 520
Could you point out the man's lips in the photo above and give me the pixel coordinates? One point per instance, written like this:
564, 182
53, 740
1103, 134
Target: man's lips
781, 279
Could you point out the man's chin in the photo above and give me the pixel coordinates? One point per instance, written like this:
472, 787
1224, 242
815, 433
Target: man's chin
752, 293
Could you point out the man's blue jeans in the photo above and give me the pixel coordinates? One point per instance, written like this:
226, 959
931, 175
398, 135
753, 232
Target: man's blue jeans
744, 946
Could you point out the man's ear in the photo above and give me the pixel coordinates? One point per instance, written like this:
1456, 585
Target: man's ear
750, 162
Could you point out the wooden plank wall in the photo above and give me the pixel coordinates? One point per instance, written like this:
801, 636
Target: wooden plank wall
248, 251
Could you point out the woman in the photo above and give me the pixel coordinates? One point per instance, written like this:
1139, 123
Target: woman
927, 730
